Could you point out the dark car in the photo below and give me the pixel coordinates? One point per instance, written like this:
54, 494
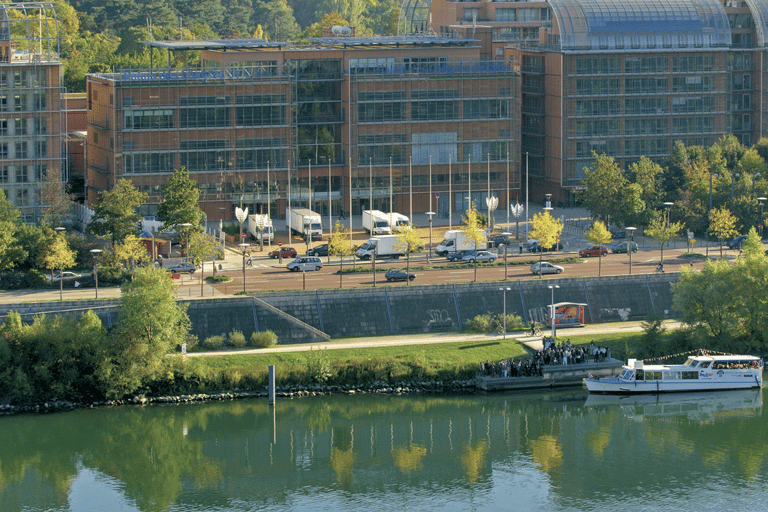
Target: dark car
735, 244
283, 252
595, 250
320, 250
534, 247
621, 247
397, 274
499, 239
458, 255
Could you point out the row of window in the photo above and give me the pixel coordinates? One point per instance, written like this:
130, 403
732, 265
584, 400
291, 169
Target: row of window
432, 110
24, 149
23, 78
656, 64
632, 147
21, 173
30, 102
639, 106
426, 148
653, 126
23, 126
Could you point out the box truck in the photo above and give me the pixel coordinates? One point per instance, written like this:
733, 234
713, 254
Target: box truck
304, 222
267, 231
376, 222
455, 240
385, 246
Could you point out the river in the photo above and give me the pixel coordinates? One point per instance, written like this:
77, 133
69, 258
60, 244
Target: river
543, 451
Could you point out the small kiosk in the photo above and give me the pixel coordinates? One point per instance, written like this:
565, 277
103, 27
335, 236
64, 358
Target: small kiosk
567, 314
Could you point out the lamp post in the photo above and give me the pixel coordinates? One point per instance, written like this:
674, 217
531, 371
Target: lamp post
243, 246
552, 310
761, 200
95, 253
709, 212
668, 205
60, 230
504, 318
629, 247
429, 251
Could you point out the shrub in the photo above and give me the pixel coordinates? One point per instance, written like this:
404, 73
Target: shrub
213, 342
14, 280
489, 323
264, 339
218, 278
236, 338
36, 279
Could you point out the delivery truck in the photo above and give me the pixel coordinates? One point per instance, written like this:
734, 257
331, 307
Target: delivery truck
398, 222
455, 241
385, 246
267, 231
304, 222
376, 222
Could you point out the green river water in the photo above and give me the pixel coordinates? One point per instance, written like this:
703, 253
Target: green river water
548, 451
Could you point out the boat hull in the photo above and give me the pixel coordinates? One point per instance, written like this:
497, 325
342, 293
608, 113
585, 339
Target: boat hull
617, 386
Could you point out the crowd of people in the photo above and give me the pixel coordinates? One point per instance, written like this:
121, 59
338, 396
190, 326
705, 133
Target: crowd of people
552, 354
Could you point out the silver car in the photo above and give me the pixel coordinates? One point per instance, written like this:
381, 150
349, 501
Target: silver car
480, 256
304, 263
546, 268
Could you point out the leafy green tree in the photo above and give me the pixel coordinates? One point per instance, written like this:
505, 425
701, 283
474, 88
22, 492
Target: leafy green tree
663, 233
604, 185
749, 285
409, 241
131, 251
546, 229
598, 234
202, 247
9, 216
116, 211
722, 224
472, 230
152, 323
276, 17
180, 202
58, 257
329, 20
339, 244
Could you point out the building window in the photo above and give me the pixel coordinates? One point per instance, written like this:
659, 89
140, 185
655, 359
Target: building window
41, 148
486, 109
205, 155
19, 126
257, 154
378, 148
434, 105
4, 174
146, 163
41, 125
380, 106
505, 14
22, 197
21, 174
152, 119
441, 147
19, 102
260, 110
3, 127
204, 111
21, 150
3, 150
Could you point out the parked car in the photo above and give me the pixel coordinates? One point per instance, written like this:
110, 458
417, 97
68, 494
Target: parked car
595, 250
181, 268
618, 233
621, 247
534, 247
499, 239
458, 255
305, 263
546, 268
480, 256
283, 252
397, 274
736, 242
64, 276
320, 250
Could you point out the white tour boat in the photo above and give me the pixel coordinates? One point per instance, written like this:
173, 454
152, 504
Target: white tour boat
699, 373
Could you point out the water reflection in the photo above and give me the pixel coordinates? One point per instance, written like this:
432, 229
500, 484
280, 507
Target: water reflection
552, 451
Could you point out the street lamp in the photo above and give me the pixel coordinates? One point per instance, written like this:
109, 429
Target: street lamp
95, 253
709, 212
629, 247
552, 311
429, 251
761, 200
504, 318
221, 230
60, 230
243, 246
668, 206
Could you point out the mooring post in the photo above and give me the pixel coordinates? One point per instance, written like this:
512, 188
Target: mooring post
271, 384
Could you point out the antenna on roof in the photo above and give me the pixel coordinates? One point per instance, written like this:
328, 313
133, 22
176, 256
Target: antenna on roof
149, 28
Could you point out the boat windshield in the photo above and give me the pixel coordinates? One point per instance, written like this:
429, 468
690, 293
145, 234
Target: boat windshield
625, 375
692, 363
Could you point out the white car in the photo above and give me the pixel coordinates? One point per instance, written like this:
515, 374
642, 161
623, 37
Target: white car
546, 268
65, 276
304, 263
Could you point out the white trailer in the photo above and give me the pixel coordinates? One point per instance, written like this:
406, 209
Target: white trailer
257, 220
385, 246
376, 222
455, 241
305, 222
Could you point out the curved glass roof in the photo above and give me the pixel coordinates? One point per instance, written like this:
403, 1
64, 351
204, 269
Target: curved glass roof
759, 10
414, 16
641, 24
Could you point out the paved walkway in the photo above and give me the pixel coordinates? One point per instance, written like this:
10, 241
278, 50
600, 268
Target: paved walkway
534, 343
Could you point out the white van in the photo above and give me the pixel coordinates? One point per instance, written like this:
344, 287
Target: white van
304, 263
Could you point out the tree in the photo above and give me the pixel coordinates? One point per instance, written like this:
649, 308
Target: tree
59, 256
722, 224
152, 323
180, 202
202, 246
276, 17
546, 229
604, 184
115, 214
472, 229
663, 233
339, 244
598, 234
9, 217
131, 250
410, 241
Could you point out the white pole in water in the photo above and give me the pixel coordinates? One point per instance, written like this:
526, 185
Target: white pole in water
271, 384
